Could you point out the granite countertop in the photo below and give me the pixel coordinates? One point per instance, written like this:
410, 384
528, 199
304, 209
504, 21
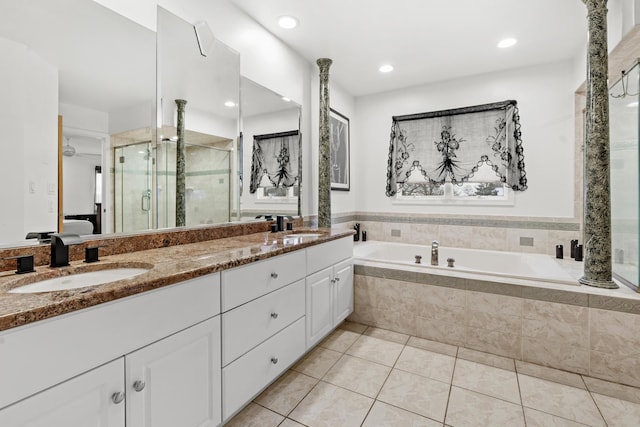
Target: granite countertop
166, 266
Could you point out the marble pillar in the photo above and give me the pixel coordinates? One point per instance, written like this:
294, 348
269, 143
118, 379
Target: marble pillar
597, 204
324, 163
181, 187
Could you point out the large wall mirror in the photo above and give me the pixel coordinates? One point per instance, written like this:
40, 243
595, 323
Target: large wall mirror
198, 113
96, 70
270, 154
115, 149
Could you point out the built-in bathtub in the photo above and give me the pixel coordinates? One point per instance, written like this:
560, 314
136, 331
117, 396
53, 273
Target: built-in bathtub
515, 265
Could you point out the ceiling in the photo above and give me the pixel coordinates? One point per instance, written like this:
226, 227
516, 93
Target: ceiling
425, 40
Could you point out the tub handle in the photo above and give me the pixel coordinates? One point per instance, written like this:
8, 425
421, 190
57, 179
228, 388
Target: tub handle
450, 262
418, 259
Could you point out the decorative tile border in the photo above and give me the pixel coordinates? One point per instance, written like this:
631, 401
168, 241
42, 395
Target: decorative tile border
512, 222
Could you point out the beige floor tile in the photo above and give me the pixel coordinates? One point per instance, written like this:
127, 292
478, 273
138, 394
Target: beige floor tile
340, 340
255, 416
385, 415
283, 395
468, 408
618, 412
353, 326
435, 346
329, 406
540, 419
376, 350
290, 423
417, 394
486, 359
386, 334
494, 382
550, 374
620, 391
426, 363
359, 375
317, 362
558, 399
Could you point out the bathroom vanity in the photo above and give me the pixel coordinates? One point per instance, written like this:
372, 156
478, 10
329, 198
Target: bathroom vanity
188, 343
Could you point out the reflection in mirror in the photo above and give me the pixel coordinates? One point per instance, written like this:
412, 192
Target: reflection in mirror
94, 68
270, 134
193, 168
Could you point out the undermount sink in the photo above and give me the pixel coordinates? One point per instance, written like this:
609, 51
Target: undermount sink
79, 280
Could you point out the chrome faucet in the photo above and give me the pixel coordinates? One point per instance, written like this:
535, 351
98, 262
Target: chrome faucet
434, 252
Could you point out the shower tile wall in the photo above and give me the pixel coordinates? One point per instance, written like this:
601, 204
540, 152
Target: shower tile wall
208, 173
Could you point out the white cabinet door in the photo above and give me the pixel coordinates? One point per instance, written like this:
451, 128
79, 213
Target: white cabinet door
319, 305
87, 400
343, 303
177, 380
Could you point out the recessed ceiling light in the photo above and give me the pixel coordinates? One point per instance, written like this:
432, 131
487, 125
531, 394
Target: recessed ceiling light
386, 68
287, 22
285, 99
230, 104
632, 104
504, 43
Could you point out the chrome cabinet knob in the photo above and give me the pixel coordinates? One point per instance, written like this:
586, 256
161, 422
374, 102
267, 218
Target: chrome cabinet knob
274, 315
274, 360
337, 279
274, 275
117, 397
139, 385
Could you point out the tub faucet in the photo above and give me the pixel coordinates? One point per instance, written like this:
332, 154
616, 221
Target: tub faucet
434, 252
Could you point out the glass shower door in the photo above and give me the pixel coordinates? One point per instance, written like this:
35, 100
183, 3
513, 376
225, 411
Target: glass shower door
132, 187
625, 191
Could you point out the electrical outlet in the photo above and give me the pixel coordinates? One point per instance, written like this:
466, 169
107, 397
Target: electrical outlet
395, 233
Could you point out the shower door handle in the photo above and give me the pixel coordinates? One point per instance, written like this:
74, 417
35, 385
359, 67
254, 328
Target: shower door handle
146, 201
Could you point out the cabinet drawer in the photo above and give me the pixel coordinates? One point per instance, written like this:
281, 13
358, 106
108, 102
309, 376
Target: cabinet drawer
247, 376
327, 254
243, 284
250, 324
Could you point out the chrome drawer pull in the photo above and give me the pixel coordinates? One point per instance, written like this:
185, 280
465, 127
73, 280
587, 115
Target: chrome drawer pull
274, 275
139, 385
117, 397
274, 315
274, 360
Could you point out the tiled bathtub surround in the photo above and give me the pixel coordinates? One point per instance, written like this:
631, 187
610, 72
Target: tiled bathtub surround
368, 377
592, 333
467, 231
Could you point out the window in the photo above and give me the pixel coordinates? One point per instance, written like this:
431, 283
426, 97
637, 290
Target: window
465, 155
482, 188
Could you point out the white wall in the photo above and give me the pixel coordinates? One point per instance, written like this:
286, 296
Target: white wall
29, 147
545, 101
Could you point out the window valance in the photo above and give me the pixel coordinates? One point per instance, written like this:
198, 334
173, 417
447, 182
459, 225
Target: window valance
276, 155
450, 145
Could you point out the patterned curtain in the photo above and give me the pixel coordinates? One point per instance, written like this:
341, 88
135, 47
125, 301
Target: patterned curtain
450, 145
278, 156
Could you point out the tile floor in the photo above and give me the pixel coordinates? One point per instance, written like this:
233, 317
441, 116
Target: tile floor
365, 376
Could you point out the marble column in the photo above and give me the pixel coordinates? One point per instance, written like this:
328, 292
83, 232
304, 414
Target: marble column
597, 204
324, 163
181, 187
